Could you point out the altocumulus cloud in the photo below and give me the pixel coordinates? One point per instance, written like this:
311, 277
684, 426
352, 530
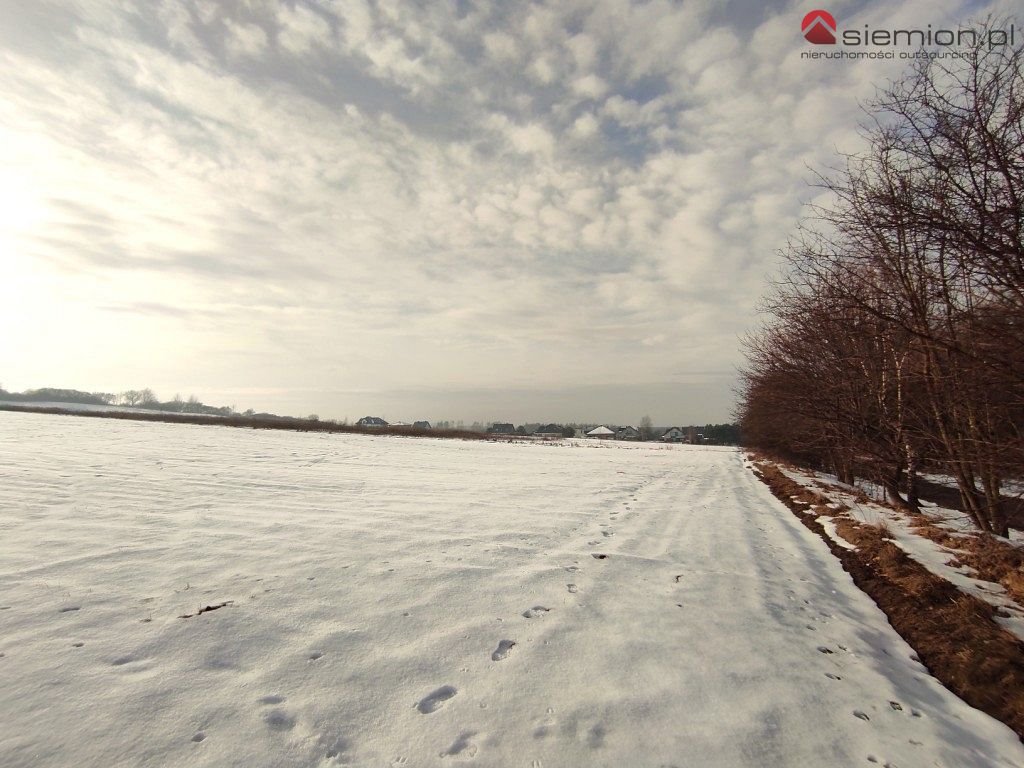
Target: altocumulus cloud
566, 208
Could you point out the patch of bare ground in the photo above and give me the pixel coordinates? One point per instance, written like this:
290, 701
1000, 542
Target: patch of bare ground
954, 634
990, 558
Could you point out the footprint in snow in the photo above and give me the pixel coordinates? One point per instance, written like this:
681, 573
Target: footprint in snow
598, 556
502, 651
860, 715
70, 608
339, 750
272, 699
279, 720
200, 736
462, 746
873, 759
573, 589
595, 737
537, 610
823, 649
436, 700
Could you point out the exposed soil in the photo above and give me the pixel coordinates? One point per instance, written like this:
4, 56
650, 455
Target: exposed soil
953, 633
207, 609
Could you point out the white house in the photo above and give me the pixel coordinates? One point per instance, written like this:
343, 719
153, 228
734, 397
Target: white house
674, 435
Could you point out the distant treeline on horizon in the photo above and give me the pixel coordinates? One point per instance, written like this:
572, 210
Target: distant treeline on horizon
147, 400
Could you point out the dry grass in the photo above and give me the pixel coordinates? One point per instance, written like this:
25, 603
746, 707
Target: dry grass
953, 633
990, 558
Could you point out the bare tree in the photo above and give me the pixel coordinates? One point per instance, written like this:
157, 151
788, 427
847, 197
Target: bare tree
131, 397
896, 337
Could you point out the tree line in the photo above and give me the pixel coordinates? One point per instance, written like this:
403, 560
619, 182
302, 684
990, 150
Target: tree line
894, 340
133, 398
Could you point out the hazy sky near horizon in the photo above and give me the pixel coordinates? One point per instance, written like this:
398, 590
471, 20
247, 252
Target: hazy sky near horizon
449, 210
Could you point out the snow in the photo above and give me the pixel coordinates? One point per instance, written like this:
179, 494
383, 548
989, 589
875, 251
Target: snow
928, 553
1010, 486
833, 533
417, 602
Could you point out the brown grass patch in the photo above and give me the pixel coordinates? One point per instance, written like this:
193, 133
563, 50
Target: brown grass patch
953, 633
990, 558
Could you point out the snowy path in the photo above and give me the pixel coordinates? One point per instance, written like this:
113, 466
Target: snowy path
402, 602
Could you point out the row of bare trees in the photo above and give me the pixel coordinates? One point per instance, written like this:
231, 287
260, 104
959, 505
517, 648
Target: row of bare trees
895, 339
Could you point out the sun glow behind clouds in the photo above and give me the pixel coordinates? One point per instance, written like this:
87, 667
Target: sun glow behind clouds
217, 197
24, 297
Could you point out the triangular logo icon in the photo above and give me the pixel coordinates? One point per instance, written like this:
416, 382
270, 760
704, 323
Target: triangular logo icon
819, 27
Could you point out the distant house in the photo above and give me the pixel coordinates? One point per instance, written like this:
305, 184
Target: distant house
601, 433
399, 424
502, 429
549, 432
373, 422
627, 433
674, 435
421, 425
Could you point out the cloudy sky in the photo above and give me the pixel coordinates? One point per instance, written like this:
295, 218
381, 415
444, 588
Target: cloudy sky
449, 210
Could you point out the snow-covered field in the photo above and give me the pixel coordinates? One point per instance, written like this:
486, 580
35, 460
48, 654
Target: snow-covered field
412, 602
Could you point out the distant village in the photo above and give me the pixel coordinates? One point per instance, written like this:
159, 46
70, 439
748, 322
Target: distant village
711, 434
145, 401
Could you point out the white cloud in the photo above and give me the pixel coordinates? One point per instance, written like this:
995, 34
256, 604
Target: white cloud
394, 193
584, 51
302, 29
590, 87
542, 69
244, 39
501, 46
586, 125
